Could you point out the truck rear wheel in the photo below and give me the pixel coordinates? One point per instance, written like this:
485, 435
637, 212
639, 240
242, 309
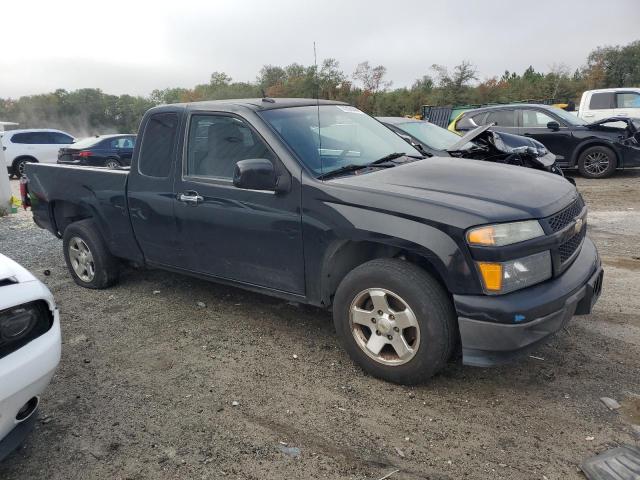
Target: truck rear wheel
395, 321
89, 261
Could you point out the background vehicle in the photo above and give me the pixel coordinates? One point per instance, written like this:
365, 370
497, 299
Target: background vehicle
29, 350
479, 144
319, 203
33, 145
609, 102
101, 151
596, 149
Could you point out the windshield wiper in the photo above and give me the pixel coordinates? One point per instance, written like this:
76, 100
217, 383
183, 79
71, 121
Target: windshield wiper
352, 167
376, 163
393, 156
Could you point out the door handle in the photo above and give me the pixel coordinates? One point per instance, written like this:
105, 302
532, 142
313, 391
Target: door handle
190, 197
588, 114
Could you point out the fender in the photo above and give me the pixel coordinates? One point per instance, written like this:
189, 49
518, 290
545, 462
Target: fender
371, 234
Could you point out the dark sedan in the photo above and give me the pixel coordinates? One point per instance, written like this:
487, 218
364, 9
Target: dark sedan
479, 144
596, 149
110, 151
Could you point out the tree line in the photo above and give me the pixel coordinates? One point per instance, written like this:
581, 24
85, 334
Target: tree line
90, 111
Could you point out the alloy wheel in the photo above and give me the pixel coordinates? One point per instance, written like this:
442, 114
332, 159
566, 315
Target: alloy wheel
81, 259
596, 163
384, 326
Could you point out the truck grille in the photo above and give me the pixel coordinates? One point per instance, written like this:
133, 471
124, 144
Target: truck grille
564, 217
570, 246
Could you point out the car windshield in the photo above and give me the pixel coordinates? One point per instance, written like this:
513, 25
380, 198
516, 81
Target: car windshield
431, 135
568, 117
345, 136
87, 142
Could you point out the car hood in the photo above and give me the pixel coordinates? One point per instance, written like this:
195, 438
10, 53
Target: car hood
12, 272
480, 192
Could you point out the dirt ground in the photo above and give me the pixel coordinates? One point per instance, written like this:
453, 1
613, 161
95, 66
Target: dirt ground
147, 380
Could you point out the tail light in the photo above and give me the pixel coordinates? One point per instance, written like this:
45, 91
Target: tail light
85, 153
24, 193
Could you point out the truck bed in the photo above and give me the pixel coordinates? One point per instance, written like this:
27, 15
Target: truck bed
61, 194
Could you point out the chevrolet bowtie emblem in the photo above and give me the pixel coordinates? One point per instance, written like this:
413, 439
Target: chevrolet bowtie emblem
578, 225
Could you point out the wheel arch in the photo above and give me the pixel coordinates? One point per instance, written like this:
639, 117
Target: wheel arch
594, 143
345, 255
64, 213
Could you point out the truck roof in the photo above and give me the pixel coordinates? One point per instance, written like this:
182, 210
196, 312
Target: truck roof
260, 103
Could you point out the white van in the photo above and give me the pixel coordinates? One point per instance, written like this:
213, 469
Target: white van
33, 145
609, 102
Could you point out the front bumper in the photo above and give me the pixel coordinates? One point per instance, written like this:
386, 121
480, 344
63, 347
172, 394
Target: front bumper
495, 329
24, 374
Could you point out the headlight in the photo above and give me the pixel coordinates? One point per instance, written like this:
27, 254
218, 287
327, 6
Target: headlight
505, 277
21, 324
504, 233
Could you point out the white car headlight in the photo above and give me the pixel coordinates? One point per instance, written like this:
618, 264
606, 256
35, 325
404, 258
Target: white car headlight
504, 233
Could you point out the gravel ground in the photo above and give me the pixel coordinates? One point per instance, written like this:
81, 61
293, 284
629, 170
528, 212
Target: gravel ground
148, 380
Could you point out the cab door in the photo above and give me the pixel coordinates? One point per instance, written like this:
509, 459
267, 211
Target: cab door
248, 236
600, 105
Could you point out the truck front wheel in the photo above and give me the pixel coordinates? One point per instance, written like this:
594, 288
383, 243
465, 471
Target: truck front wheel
89, 261
395, 320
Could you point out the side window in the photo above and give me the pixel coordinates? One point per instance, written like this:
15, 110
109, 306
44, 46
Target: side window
502, 118
21, 138
41, 138
59, 138
534, 118
218, 142
469, 122
628, 100
158, 144
602, 100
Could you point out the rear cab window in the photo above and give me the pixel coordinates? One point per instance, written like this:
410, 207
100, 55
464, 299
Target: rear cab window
158, 145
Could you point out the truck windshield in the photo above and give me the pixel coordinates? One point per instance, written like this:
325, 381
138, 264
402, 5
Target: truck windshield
345, 136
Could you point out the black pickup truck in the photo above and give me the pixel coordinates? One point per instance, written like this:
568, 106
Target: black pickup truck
319, 203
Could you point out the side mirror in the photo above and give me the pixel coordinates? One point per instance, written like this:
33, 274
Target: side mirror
259, 174
555, 126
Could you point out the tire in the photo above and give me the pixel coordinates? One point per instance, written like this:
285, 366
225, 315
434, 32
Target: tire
18, 166
597, 162
112, 163
431, 342
100, 266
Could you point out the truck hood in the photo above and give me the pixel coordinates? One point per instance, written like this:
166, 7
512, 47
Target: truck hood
482, 192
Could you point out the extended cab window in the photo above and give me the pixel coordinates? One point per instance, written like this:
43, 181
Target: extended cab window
218, 142
158, 142
502, 118
535, 119
601, 101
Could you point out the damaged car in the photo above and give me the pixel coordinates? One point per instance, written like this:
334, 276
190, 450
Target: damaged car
478, 144
597, 149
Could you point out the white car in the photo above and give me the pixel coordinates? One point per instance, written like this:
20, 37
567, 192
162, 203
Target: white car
30, 347
32, 145
609, 102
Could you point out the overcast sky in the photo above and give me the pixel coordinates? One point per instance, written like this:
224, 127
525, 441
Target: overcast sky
137, 46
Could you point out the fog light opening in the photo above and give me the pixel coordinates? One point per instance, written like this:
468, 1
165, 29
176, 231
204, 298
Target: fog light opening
27, 409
